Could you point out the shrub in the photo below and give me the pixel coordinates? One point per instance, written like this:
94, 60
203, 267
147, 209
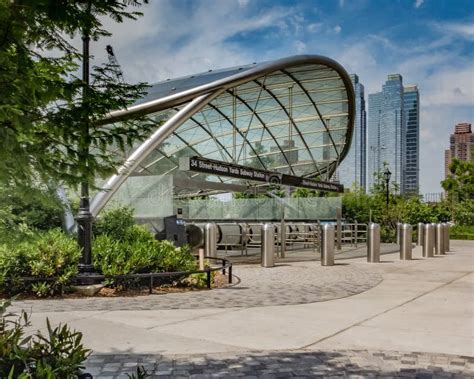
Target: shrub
461, 232
120, 247
464, 212
59, 354
114, 223
138, 251
37, 207
52, 255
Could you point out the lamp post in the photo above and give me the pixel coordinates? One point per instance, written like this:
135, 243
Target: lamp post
387, 174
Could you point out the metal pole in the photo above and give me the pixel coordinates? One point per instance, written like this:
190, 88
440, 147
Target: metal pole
84, 217
356, 233
282, 233
373, 243
421, 228
327, 245
428, 241
439, 240
210, 241
399, 225
267, 251
446, 237
405, 241
339, 228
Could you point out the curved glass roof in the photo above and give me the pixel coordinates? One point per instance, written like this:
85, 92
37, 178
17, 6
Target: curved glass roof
293, 116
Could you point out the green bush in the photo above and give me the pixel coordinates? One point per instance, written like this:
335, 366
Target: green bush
138, 251
50, 255
464, 213
37, 207
114, 223
57, 355
462, 232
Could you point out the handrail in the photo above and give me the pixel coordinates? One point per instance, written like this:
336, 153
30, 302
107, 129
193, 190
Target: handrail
226, 265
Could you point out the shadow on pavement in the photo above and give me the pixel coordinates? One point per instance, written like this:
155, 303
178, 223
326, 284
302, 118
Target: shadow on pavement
342, 363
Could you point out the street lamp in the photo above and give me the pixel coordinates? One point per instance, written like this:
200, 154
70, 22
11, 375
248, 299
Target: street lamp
387, 174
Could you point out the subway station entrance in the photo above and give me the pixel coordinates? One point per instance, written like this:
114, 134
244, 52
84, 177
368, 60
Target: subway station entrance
228, 147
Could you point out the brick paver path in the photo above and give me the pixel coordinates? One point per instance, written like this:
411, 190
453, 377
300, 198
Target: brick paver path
286, 284
329, 364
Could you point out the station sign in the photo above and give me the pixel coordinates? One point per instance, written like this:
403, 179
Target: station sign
213, 167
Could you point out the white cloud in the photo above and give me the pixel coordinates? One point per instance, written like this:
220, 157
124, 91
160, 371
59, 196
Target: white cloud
300, 47
243, 3
418, 3
464, 30
314, 27
337, 29
171, 41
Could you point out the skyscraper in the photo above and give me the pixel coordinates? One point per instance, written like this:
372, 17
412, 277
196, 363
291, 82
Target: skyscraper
411, 104
353, 167
393, 133
461, 145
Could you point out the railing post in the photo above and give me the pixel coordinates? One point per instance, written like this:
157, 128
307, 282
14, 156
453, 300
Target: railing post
267, 251
428, 239
339, 228
373, 243
327, 245
405, 241
201, 259
356, 228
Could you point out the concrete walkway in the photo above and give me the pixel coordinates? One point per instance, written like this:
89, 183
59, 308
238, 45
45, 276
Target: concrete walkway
424, 306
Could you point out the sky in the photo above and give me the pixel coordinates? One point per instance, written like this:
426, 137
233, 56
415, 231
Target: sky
429, 42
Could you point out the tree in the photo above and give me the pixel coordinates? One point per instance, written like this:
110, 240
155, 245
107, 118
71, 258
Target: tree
460, 183
44, 106
49, 116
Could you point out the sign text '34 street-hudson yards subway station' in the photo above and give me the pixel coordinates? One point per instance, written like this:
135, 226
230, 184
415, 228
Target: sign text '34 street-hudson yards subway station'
214, 167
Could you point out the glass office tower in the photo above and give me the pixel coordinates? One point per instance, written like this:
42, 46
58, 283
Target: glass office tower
393, 134
411, 104
353, 168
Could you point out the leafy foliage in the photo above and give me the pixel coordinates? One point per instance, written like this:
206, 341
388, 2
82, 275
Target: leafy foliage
57, 355
48, 116
460, 183
114, 222
36, 207
52, 255
120, 247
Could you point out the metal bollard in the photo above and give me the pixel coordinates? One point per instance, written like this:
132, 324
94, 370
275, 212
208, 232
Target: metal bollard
210, 240
439, 239
421, 228
373, 243
268, 245
446, 237
399, 225
428, 241
405, 241
327, 245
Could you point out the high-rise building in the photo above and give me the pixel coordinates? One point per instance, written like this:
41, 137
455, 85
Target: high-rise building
393, 134
353, 167
461, 145
411, 105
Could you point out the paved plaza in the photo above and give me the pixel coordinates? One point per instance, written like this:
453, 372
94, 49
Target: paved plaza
392, 319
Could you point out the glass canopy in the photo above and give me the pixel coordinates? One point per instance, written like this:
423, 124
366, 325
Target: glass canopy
293, 116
